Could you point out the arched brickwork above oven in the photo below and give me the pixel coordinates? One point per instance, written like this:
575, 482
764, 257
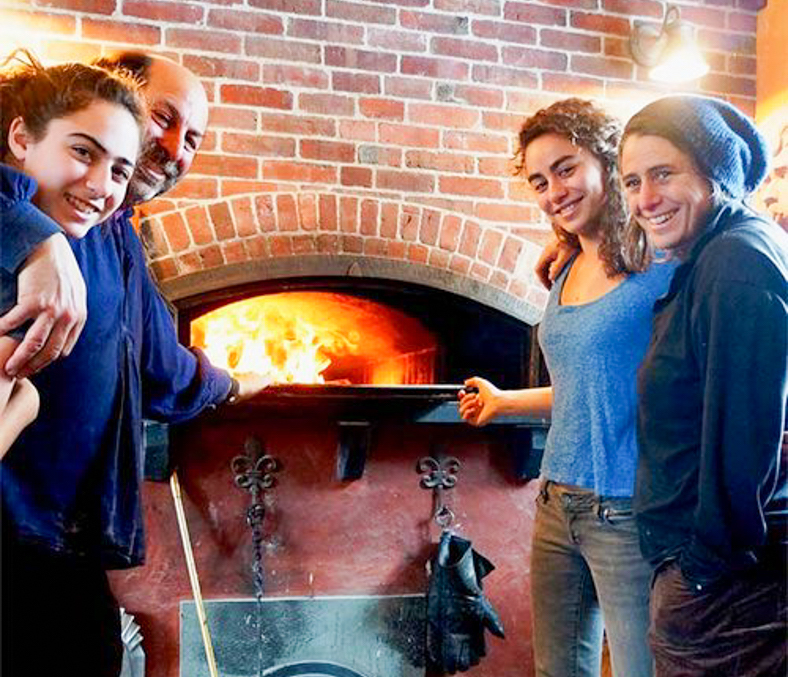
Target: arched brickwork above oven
244, 239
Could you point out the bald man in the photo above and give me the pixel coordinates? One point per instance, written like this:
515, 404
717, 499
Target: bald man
70, 485
178, 117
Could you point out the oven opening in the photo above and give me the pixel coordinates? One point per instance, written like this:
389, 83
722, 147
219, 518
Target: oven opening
345, 337
319, 337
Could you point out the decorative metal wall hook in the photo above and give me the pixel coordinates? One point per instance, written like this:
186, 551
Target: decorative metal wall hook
439, 473
254, 472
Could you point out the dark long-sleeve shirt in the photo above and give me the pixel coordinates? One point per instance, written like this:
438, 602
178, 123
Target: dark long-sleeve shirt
22, 228
711, 485
72, 480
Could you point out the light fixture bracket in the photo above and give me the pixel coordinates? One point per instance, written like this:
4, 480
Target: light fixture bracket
662, 47
648, 42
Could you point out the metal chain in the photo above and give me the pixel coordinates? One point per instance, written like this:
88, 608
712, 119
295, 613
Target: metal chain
254, 472
254, 518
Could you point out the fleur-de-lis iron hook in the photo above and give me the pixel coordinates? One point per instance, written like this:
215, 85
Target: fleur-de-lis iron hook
439, 474
254, 472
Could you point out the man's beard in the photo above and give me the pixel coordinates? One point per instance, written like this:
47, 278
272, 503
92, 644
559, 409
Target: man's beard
144, 185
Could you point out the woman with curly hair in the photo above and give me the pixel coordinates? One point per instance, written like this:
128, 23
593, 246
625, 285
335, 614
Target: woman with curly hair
587, 572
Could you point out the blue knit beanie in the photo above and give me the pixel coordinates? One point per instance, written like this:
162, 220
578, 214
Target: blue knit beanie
722, 141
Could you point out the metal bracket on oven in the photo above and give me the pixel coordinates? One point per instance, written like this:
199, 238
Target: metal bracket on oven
254, 471
526, 446
352, 446
439, 473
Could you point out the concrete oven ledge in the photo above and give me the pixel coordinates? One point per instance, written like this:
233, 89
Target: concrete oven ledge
356, 414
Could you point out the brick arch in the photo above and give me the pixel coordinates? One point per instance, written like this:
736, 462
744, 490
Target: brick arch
241, 239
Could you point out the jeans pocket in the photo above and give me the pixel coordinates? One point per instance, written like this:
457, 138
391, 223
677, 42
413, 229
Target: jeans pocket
677, 611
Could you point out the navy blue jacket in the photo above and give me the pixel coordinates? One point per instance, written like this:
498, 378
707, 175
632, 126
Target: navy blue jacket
22, 227
711, 485
72, 481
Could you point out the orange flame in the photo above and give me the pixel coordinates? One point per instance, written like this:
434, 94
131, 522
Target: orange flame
315, 336
257, 336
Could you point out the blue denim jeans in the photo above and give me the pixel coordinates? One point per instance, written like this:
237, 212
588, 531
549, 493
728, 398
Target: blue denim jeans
588, 577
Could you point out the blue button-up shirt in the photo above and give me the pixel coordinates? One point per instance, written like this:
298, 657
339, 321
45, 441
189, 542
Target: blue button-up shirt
72, 481
22, 228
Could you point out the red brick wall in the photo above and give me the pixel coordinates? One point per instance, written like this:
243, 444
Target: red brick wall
386, 105
246, 228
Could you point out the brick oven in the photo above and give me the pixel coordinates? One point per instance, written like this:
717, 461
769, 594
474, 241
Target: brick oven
362, 148
347, 517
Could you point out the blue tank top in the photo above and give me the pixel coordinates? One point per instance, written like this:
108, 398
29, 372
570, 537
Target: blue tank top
592, 352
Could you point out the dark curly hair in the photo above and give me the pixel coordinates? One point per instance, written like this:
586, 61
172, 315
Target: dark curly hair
593, 129
40, 94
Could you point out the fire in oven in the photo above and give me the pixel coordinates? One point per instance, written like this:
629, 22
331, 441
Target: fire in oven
316, 337
372, 342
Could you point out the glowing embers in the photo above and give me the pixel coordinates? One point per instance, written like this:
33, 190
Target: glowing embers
318, 337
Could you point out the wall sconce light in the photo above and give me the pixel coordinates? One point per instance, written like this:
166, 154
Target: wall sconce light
670, 51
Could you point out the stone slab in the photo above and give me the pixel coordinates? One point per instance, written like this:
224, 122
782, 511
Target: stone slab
353, 636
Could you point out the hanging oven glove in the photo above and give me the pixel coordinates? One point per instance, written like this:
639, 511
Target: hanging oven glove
457, 610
